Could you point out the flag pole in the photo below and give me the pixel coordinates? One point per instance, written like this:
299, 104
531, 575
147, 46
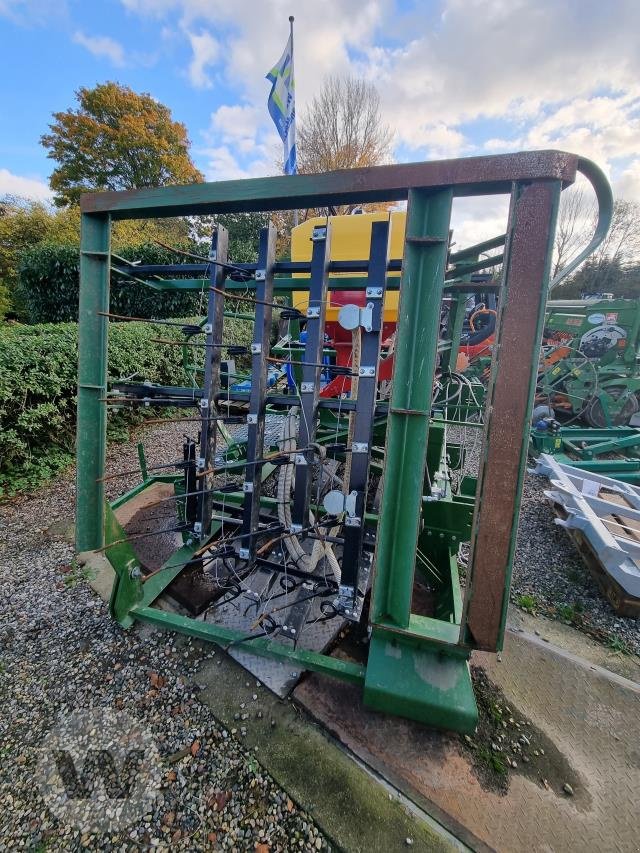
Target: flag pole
291, 20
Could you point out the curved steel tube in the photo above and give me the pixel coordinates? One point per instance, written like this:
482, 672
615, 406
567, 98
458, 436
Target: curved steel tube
604, 196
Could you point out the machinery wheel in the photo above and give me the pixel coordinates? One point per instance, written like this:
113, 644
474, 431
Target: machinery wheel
541, 411
594, 413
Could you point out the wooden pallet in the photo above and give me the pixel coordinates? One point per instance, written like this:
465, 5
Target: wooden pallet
622, 603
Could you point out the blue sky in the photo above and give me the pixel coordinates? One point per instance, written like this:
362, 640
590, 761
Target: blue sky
456, 77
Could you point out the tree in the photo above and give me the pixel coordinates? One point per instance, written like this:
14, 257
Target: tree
343, 129
244, 234
593, 276
575, 215
607, 269
622, 242
116, 139
25, 224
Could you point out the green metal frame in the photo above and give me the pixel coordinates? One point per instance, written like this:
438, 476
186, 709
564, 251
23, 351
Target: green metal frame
612, 377
417, 665
591, 449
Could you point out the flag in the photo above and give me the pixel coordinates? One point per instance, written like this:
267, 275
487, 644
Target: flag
282, 105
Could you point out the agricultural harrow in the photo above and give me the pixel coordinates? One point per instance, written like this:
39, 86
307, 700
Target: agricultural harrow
591, 361
340, 493
590, 373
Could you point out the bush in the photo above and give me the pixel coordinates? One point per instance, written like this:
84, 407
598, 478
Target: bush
49, 286
38, 367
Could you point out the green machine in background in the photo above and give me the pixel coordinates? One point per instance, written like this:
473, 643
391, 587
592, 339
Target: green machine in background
591, 361
612, 452
590, 372
372, 499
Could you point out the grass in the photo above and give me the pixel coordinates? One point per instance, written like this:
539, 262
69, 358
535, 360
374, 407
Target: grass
570, 612
495, 712
616, 644
527, 603
77, 574
492, 759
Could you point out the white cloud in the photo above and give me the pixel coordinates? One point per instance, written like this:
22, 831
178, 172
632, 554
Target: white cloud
239, 144
20, 185
455, 76
476, 219
235, 123
255, 35
470, 58
205, 53
439, 140
498, 146
603, 128
628, 184
494, 58
102, 46
222, 164
33, 12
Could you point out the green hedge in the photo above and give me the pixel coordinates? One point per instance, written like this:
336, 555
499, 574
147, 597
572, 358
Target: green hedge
38, 366
49, 285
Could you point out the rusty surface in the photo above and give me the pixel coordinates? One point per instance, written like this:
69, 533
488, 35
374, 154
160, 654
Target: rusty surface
590, 717
413, 758
499, 487
468, 176
149, 512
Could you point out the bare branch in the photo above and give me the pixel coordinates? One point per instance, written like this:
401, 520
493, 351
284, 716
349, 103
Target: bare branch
343, 128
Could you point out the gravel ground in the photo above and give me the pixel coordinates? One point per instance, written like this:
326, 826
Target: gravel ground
60, 651
550, 572
549, 569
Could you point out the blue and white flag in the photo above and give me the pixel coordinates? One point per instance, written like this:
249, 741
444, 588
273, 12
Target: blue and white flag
282, 105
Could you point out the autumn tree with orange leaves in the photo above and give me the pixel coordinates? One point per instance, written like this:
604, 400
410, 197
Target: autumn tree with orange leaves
117, 139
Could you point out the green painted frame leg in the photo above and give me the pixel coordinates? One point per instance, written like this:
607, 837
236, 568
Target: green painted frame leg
410, 679
406, 675
426, 243
93, 327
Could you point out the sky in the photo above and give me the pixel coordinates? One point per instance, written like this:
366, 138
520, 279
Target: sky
456, 78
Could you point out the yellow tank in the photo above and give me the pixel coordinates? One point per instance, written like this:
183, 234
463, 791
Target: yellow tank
350, 241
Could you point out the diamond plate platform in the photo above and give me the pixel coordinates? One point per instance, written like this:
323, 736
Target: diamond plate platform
241, 613
591, 715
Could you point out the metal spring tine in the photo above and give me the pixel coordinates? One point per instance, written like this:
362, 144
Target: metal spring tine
180, 464
185, 528
135, 536
196, 257
167, 342
139, 319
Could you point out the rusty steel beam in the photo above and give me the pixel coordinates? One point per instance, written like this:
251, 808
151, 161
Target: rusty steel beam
528, 253
467, 176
